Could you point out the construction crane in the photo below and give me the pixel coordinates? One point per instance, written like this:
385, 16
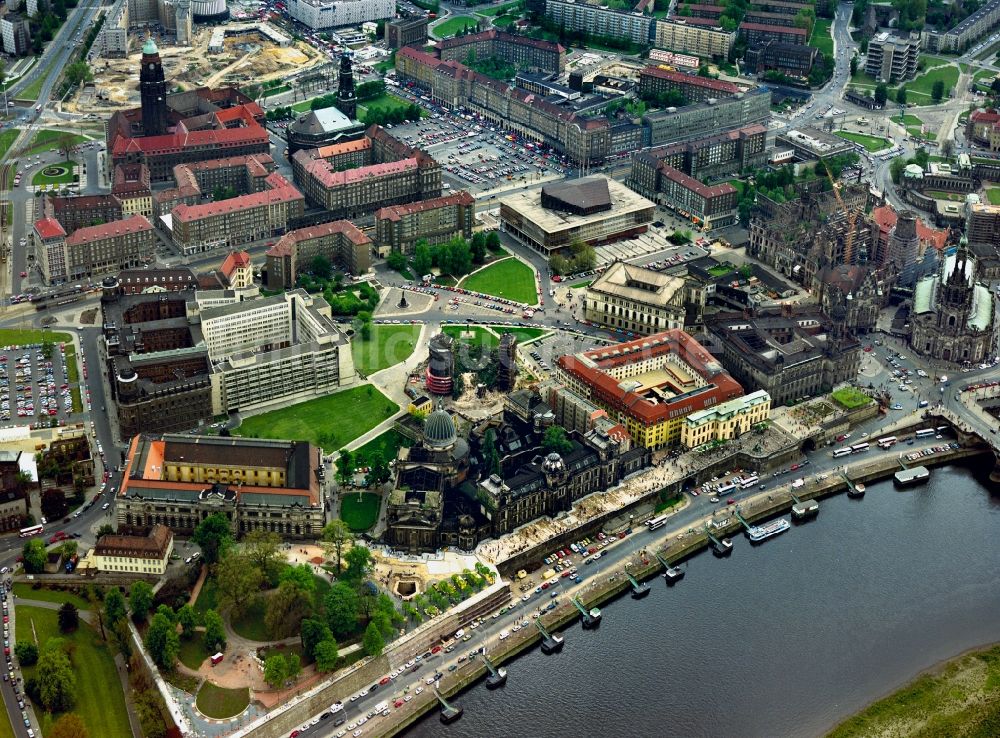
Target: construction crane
851, 216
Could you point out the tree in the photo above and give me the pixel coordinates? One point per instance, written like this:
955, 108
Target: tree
187, 618
293, 666
34, 555
373, 641
274, 670
78, 73
66, 145
162, 641
948, 148
140, 600
215, 631
478, 248
359, 561
378, 469
336, 535
263, 549
68, 549
313, 632
55, 677
69, 618
342, 604
901, 95
881, 94
896, 167
326, 655
491, 456
422, 259
286, 608
396, 260
321, 266
345, 467
854, 66
937, 90
114, 606
300, 576
237, 580
54, 504
105, 530
558, 264
214, 534
68, 726
26, 652
556, 440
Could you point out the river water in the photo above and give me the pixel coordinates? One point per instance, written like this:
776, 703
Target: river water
782, 639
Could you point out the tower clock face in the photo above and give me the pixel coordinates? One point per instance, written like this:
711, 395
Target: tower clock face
152, 66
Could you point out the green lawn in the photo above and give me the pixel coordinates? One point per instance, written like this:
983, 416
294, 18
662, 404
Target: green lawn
272, 91
72, 369
821, 38
871, 143
7, 138
989, 51
66, 177
510, 278
386, 444
930, 61
50, 140
25, 592
850, 398
360, 514
193, 652
499, 9
471, 334
453, 25
218, 702
384, 101
250, 624
10, 336
993, 195
721, 270
921, 86
99, 699
910, 120
303, 106
388, 345
331, 422
578, 285
523, 334
505, 21
941, 195
76, 399
6, 731
32, 91
208, 598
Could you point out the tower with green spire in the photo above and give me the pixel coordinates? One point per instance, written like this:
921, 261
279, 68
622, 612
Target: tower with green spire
152, 91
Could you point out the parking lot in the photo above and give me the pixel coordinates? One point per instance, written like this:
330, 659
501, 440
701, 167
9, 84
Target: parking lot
33, 386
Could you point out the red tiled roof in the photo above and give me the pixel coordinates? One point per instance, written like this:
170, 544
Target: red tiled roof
689, 183
450, 43
707, 22
691, 79
985, 116
773, 29
885, 217
233, 261
135, 224
346, 147
286, 244
279, 190
395, 212
181, 138
49, 228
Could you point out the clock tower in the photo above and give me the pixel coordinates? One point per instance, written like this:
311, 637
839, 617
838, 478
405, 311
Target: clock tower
152, 91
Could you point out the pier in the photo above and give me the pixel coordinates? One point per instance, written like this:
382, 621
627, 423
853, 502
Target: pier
672, 574
551, 642
639, 590
589, 619
497, 677
908, 477
449, 713
804, 509
720, 547
854, 489
736, 514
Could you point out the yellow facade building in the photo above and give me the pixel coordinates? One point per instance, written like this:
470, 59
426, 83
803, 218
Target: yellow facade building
135, 554
729, 420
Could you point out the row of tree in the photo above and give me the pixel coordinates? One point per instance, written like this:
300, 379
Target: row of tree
455, 257
394, 115
581, 258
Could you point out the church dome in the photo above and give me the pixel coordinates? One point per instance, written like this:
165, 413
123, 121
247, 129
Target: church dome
553, 463
439, 429
149, 48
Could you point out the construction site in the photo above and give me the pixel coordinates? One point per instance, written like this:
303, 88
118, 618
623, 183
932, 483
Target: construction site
245, 57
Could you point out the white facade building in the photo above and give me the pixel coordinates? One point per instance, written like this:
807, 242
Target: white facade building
337, 13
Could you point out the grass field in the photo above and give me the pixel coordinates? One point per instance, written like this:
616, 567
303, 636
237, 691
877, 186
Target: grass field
99, 699
850, 398
218, 702
360, 514
76, 399
962, 697
25, 592
989, 51
523, 334
940, 195
453, 25
65, 178
510, 278
250, 624
6, 731
921, 87
504, 22
821, 38
384, 102
387, 444
471, 334
193, 651
32, 91
388, 345
930, 61
302, 106
498, 9
207, 598
871, 143
578, 285
72, 369
6, 139
993, 195
50, 140
910, 120
721, 270
338, 418
272, 91
9, 336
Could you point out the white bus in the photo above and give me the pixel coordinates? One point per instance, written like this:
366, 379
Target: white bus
30, 531
727, 487
846, 451
925, 433
749, 482
858, 448
887, 442
657, 522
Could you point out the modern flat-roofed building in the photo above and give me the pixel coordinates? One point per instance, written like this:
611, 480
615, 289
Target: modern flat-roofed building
412, 31
595, 210
705, 118
655, 80
793, 60
636, 300
399, 227
338, 13
527, 54
726, 421
600, 20
810, 143
689, 37
650, 385
757, 33
146, 555
341, 242
177, 480
892, 58
966, 32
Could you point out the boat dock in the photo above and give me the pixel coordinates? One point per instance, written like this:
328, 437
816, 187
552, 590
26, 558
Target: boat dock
804, 509
497, 677
672, 574
908, 477
854, 489
720, 547
639, 590
589, 619
449, 713
551, 642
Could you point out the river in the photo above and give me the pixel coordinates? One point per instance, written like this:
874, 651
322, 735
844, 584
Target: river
783, 639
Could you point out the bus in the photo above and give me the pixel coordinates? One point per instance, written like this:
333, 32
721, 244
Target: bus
887, 442
858, 448
727, 487
749, 482
846, 451
30, 531
658, 522
925, 433
942, 429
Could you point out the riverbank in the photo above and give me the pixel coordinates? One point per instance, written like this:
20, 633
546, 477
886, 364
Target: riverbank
958, 697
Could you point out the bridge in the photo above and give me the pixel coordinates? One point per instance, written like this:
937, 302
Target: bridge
972, 424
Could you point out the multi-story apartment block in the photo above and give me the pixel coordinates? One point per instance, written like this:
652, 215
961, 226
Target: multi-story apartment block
689, 37
967, 32
892, 58
983, 129
341, 242
784, 7
695, 121
728, 420
527, 54
15, 32
338, 13
258, 484
79, 211
770, 19
708, 206
93, 250
130, 186
412, 31
146, 555
112, 42
713, 12
655, 80
597, 20
355, 178
238, 220
440, 219
631, 298
237, 270
793, 60
758, 33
